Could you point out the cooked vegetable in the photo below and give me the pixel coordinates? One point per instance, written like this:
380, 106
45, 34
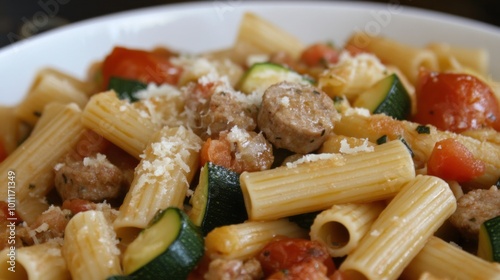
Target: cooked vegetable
218, 199
284, 253
139, 65
455, 102
451, 160
489, 240
387, 96
319, 54
262, 75
126, 88
167, 249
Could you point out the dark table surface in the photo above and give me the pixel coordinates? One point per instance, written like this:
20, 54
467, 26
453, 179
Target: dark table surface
16, 13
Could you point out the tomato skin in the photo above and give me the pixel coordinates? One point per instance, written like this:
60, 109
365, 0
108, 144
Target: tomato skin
285, 253
450, 160
139, 65
319, 53
455, 102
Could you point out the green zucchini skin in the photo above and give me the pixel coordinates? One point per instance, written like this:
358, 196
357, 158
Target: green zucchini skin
180, 257
221, 198
262, 75
388, 96
489, 240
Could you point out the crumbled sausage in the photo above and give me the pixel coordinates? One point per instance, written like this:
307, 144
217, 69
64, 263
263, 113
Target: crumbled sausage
473, 208
93, 178
296, 117
220, 269
50, 224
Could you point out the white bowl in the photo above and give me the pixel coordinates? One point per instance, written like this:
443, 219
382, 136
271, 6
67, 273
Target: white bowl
203, 26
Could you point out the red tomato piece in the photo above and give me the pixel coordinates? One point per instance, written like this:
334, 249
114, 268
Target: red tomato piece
455, 102
319, 53
286, 253
450, 160
139, 65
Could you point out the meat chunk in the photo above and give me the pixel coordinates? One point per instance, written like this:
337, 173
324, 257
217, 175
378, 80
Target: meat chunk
93, 178
473, 209
296, 117
220, 269
214, 106
50, 224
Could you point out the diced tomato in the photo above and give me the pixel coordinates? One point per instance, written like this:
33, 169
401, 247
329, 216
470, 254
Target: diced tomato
451, 160
9, 215
216, 151
140, 65
78, 205
3, 151
318, 54
354, 50
455, 102
286, 253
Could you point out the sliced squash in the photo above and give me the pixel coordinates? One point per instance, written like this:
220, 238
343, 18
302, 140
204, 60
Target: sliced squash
387, 96
489, 240
169, 248
218, 199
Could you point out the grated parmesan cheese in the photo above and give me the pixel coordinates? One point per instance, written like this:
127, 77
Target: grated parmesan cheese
314, 157
98, 160
345, 148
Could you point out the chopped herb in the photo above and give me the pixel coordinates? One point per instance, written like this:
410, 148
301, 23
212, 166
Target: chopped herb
37, 114
323, 132
498, 183
407, 146
31, 186
423, 129
65, 178
316, 92
472, 219
383, 139
338, 99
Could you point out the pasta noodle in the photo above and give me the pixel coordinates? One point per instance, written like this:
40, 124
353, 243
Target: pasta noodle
372, 202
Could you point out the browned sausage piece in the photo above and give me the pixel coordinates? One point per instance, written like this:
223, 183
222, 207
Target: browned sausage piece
473, 208
93, 179
296, 117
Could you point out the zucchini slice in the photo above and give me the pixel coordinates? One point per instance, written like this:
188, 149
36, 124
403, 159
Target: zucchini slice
218, 199
262, 75
126, 88
169, 248
489, 240
387, 96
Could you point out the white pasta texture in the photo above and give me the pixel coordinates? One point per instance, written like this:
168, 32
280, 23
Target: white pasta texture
401, 230
162, 177
332, 179
241, 241
37, 262
90, 247
341, 227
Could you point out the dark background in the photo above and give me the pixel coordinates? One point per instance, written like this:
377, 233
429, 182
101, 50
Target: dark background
17, 16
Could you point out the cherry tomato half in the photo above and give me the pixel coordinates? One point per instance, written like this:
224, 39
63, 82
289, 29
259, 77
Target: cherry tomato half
286, 253
319, 53
139, 65
451, 160
455, 102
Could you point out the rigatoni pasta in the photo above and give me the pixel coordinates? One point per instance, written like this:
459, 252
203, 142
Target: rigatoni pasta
369, 199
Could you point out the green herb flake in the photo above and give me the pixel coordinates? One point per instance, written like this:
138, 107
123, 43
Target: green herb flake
423, 129
407, 146
31, 186
383, 139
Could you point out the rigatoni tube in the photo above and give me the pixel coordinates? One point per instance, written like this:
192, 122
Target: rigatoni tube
341, 227
242, 241
119, 122
90, 247
317, 185
446, 261
162, 177
401, 230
